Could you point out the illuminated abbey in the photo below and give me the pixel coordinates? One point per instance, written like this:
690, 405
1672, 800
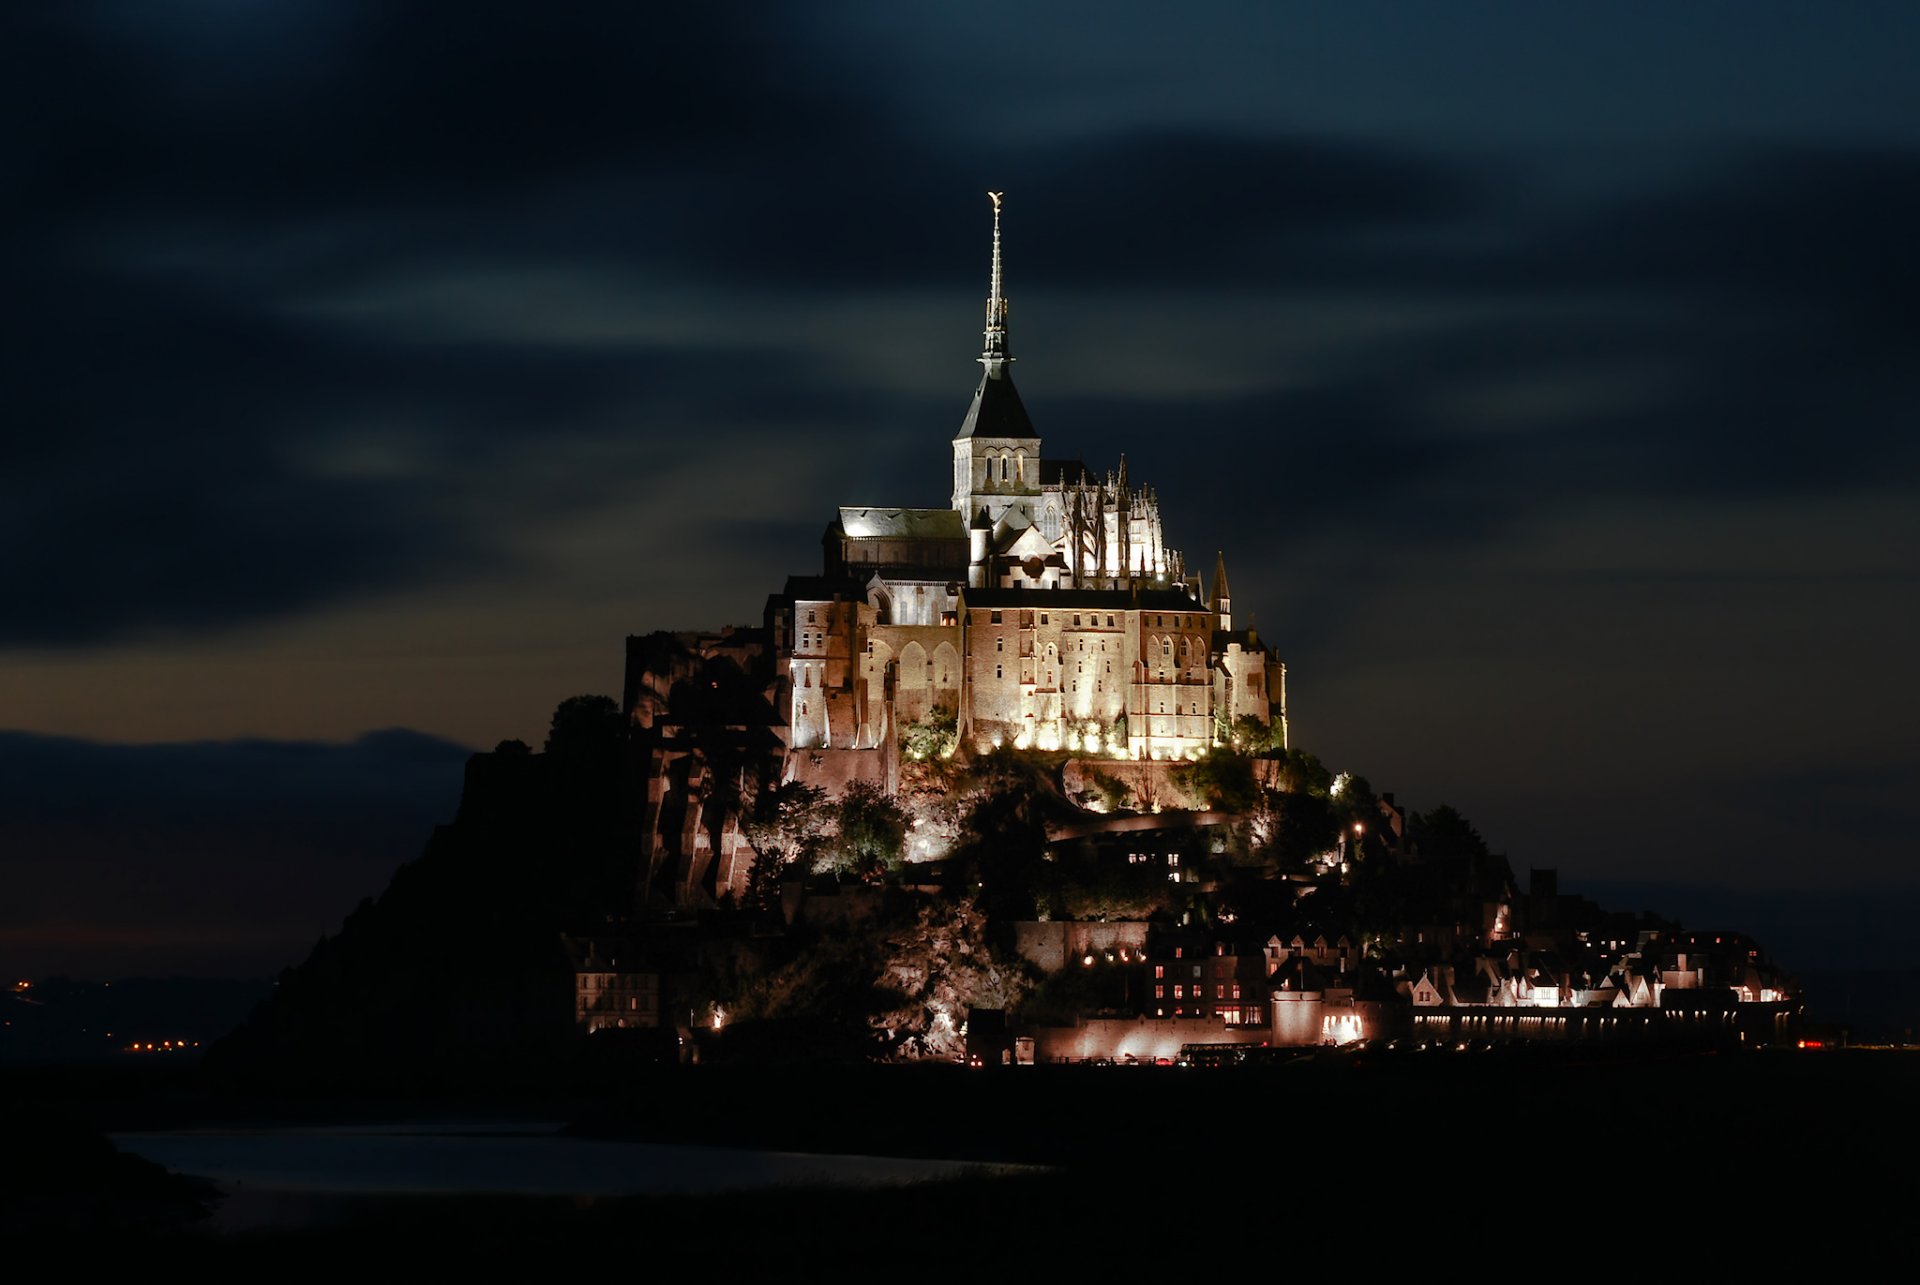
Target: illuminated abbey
1042, 608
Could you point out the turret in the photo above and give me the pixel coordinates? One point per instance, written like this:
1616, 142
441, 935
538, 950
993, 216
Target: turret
979, 531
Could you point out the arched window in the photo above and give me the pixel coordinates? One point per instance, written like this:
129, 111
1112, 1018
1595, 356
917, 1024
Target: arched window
1003, 468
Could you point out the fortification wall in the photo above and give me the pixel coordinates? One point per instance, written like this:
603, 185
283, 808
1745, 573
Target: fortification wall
1149, 783
1050, 946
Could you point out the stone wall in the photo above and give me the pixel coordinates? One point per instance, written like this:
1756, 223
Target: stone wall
1050, 946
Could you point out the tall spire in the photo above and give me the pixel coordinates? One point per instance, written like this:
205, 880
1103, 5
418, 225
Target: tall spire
993, 352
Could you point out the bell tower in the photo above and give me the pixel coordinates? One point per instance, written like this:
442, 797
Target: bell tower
996, 453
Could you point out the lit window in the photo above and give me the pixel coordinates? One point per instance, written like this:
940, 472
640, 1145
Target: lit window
1159, 970
1159, 992
1179, 992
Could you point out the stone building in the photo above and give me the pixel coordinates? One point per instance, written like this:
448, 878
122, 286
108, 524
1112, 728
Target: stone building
1042, 609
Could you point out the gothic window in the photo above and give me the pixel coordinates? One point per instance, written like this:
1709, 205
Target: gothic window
997, 673
1003, 468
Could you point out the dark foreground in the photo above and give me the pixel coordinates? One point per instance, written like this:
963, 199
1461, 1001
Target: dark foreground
1541, 1161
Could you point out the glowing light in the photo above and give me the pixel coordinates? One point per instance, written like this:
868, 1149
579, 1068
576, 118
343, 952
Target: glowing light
719, 1017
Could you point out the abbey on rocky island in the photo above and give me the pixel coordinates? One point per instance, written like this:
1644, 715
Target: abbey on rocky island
1041, 609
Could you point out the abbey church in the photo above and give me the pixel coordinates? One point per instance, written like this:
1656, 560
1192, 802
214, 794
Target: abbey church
1041, 608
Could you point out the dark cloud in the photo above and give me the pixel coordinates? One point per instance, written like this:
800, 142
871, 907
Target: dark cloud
226, 858
1170, 209
237, 111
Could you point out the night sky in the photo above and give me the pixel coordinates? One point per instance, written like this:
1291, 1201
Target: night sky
1547, 373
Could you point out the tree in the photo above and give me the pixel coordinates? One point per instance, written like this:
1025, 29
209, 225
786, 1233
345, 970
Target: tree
933, 737
787, 828
872, 839
1248, 735
1302, 773
1225, 779
586, 727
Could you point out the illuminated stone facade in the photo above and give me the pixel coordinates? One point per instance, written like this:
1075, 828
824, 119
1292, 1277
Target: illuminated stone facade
1042, 609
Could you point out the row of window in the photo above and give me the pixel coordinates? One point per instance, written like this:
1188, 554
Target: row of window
1092, 620
1199, 992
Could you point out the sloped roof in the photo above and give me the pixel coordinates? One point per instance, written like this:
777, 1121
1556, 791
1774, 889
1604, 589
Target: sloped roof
917, 524
996, 410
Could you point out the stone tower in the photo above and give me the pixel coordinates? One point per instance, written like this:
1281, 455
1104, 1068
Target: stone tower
996, 454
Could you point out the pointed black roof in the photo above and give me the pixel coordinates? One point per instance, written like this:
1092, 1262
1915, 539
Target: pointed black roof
996, 410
